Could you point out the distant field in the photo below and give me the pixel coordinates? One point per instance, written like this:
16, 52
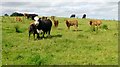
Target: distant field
83, 47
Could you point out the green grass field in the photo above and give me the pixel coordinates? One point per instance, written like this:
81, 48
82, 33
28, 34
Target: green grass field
65, 47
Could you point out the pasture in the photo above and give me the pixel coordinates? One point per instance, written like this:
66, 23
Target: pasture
64, 47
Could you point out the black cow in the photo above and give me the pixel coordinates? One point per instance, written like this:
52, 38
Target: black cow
45, 26
84, 16
73, 15
44, 18
30, 16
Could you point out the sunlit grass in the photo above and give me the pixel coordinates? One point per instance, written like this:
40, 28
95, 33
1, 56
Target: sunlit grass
82, 47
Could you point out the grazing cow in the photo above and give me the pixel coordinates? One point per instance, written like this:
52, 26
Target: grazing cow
55, 21
72, 23
18, 19
72, 16
30, 16
84, 16
94, 23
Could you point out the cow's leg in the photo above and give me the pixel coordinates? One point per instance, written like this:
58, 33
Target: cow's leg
97, 27
68, 27
43, 34
48, 33
75, 28
93, 28
38, 36
29, 35
34, 35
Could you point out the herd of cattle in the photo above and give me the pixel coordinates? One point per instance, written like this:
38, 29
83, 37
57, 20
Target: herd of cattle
44, 24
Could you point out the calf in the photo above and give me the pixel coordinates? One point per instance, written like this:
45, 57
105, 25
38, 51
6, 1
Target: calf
33, 30
72, 23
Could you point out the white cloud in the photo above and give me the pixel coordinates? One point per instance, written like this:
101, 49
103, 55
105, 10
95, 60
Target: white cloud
94, 9
60, 0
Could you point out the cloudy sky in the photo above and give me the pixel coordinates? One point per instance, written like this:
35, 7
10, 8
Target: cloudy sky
100, 9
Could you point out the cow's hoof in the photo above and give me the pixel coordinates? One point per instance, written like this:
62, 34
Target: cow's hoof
35, 39
40, 38
49, 36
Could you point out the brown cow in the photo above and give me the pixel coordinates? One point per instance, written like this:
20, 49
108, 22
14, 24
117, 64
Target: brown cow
94, 23
18, 19
56, 22
44, 18
52, 17
72, 23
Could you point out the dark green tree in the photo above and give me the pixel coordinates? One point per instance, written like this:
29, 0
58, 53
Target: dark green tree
6, 15
16, 14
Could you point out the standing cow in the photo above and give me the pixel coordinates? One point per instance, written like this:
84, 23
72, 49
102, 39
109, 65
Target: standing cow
72, 23
72, 16
45, 26
30, 16
44, 18
56, 22
40, 24
95, 23
33, 28
84, 16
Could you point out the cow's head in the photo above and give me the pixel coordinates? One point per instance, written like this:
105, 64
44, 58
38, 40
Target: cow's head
36, 20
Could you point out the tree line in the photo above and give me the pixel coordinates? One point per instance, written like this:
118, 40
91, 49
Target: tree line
14, 14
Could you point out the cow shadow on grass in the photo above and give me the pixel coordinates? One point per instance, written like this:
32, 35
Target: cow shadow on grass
52, 36
77, 30
60, 28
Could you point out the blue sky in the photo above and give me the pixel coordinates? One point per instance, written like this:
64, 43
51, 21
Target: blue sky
99, 9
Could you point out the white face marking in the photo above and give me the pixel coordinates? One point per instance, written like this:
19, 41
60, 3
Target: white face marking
36, 23
36, 20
